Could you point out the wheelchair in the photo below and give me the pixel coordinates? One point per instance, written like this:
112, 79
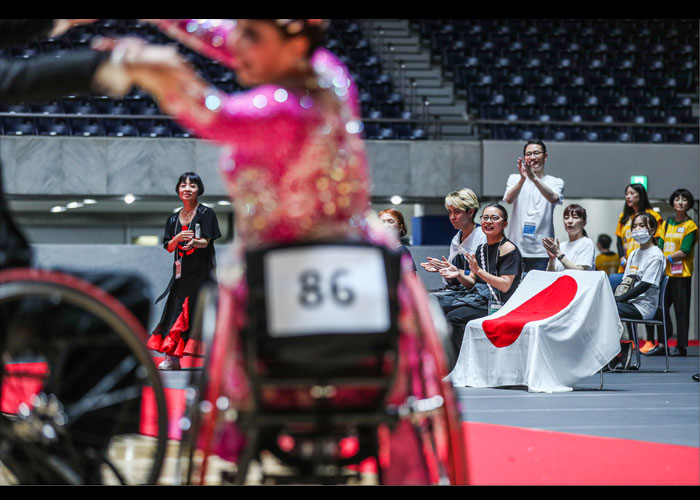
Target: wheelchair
338, 392
76, 381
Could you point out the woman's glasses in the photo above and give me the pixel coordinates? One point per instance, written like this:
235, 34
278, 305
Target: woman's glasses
492, 218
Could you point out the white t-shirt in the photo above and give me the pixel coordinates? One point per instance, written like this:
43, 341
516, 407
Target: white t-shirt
649, 265
531, 218
469, 245
581, 252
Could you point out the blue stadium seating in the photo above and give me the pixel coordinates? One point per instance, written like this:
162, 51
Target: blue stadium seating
606, 71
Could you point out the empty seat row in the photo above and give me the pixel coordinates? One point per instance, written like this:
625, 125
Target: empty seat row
89, 127
343, 36
582, 134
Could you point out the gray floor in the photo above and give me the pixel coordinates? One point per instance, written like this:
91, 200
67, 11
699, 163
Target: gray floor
648, 405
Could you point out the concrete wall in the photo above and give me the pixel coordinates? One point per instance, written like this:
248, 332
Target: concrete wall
599, 170
422, 169
154, 264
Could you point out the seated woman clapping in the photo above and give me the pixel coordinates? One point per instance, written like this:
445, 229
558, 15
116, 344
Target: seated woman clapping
495, 272
579, 252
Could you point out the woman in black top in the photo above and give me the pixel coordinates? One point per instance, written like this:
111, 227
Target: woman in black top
495, 272
190, 235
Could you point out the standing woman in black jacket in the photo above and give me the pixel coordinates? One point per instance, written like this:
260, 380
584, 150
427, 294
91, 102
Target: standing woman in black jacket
189, 236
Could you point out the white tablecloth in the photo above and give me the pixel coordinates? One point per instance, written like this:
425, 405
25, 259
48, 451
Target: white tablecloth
549, 354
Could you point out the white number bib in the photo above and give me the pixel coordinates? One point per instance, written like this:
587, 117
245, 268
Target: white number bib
326, 289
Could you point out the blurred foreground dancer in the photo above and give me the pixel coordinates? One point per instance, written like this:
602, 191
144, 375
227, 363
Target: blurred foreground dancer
296, 167
83, 71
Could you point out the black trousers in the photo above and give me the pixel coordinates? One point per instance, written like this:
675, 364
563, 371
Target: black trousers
458, 319
626, 310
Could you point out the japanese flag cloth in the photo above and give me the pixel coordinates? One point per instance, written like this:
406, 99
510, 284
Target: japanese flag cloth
557, 328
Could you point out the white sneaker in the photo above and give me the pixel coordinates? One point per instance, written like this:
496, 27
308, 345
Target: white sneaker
170, 363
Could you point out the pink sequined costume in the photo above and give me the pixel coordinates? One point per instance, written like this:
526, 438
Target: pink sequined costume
295, 168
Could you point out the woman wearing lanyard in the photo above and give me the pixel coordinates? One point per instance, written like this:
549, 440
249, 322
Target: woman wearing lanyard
677, 241
190, 235
496, 267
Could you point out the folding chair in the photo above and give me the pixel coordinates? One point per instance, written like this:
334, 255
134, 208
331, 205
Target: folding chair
658, 319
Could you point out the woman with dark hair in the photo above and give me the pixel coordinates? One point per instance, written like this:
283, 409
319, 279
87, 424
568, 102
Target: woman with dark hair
679, 234
636, 200
394, 221
495, 271
579, 252
189, 236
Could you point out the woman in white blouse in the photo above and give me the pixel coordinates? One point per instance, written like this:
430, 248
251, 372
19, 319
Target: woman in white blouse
579, 252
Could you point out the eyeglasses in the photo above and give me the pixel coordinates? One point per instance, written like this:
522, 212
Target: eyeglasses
492, 218
534, 153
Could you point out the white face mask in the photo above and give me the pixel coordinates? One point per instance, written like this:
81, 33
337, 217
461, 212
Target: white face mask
641, 236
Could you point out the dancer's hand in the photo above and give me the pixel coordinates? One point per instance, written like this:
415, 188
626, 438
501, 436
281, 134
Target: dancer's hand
60, 26
163, 72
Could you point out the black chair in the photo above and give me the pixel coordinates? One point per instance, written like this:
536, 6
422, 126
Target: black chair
19, 126
86, 127
153, 128
111, 107
392, 106
48, 108
120, 128
52, 127
79, 106
659, 319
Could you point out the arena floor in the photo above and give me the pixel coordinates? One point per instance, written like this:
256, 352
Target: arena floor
514, 437
648, 419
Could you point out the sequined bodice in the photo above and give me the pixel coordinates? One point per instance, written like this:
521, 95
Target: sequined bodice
295, 166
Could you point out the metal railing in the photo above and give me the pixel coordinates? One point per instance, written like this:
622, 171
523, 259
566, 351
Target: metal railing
432, 125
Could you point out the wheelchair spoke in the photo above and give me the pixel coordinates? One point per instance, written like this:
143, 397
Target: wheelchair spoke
99, 397
74, 364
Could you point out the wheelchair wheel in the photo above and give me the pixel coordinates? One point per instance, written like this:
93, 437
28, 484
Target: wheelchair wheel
432, 407
74, 379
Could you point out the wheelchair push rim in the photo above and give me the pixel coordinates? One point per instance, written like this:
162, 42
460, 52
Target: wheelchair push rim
76, 376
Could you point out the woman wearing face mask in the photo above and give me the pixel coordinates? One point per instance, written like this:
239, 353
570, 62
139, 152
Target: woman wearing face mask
637, 296
636, 200
579, 252
393, 221
677, 241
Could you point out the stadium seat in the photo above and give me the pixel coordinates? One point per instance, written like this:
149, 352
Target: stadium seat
120, 128
52, 127
86, 127
19, 126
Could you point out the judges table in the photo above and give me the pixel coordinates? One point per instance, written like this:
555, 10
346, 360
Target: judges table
556, 329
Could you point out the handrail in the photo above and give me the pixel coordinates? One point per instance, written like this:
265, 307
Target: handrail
428, 122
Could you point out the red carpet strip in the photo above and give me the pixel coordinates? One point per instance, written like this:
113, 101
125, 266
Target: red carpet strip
498, 455
501, 455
